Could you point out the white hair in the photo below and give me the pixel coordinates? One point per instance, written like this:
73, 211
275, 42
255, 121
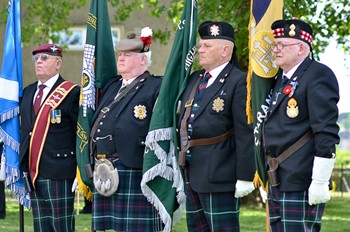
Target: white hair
148, 55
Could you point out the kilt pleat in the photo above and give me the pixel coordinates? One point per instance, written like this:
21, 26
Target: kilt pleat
53, 205
127, 209
290, 211
207, 212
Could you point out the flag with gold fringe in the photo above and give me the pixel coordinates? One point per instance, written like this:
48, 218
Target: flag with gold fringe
261, 73
99, 65
162, 182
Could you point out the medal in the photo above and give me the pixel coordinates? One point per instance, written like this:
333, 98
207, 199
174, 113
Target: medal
292, 108
55, 116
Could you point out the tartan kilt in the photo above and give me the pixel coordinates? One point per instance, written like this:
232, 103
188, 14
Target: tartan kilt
127, 209
290, 211
52, 204
217, 211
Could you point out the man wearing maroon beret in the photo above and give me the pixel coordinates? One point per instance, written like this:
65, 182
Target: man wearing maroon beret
49, 112
300, 131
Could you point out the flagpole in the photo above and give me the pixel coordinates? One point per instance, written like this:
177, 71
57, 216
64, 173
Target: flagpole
21, 218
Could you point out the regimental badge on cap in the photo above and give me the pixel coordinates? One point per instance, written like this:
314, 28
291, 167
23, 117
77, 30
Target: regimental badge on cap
140, 112
218, 105
55, 116
292, 30
292, 108
54, 48
214, 30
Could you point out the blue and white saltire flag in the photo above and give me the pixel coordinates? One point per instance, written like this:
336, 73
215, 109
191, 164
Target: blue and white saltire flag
10, 92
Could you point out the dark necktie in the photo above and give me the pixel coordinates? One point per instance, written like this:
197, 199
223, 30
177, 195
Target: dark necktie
122, 88
38, 98
283, 83
204, 82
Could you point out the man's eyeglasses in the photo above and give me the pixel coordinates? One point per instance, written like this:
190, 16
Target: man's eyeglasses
281, 46
43, 57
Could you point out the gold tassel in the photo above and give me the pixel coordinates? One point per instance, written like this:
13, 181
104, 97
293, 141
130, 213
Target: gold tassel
82, 188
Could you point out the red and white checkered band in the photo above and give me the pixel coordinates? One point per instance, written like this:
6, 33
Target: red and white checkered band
278, 32
305, 36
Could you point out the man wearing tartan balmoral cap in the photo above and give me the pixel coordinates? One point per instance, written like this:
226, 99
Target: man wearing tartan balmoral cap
135, 43
117, 138
300, 131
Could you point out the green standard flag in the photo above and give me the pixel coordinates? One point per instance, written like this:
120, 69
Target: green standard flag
162, 182
262, 70
98, 67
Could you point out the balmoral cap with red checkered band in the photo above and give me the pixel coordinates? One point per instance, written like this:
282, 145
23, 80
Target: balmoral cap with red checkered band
292, 28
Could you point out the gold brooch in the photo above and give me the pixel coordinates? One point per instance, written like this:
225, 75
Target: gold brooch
292, 108
140, 112
218, 105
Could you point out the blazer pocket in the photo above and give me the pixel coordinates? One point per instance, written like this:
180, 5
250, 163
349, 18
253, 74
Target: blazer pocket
222, 166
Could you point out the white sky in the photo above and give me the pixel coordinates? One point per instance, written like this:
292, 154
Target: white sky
335, 58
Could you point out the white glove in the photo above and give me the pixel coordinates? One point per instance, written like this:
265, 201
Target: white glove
321, 173
243, 188
263, 194
75, 185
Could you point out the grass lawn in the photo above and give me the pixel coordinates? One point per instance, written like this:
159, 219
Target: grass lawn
336, 217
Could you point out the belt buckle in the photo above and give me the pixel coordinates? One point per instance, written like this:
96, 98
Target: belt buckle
101, 156
105, 109
189, 103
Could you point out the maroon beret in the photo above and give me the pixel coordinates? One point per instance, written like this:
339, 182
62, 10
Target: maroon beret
50, 49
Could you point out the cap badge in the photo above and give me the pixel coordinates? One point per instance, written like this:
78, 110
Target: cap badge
214, 30
53, 49
292, 108
292, 30
140, 112
218, 105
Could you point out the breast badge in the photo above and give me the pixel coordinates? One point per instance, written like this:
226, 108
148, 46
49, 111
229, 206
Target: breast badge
140, 112
218, 105
292, 108
55, 116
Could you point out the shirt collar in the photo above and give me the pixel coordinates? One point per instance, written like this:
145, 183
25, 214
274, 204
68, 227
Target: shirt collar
292, 71
215, 73
50, 82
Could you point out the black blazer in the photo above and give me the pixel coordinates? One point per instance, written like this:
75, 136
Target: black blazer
315, 101
216, 168
128, 132
58, 160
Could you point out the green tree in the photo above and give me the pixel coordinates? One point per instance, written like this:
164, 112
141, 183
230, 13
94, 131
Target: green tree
330, 19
